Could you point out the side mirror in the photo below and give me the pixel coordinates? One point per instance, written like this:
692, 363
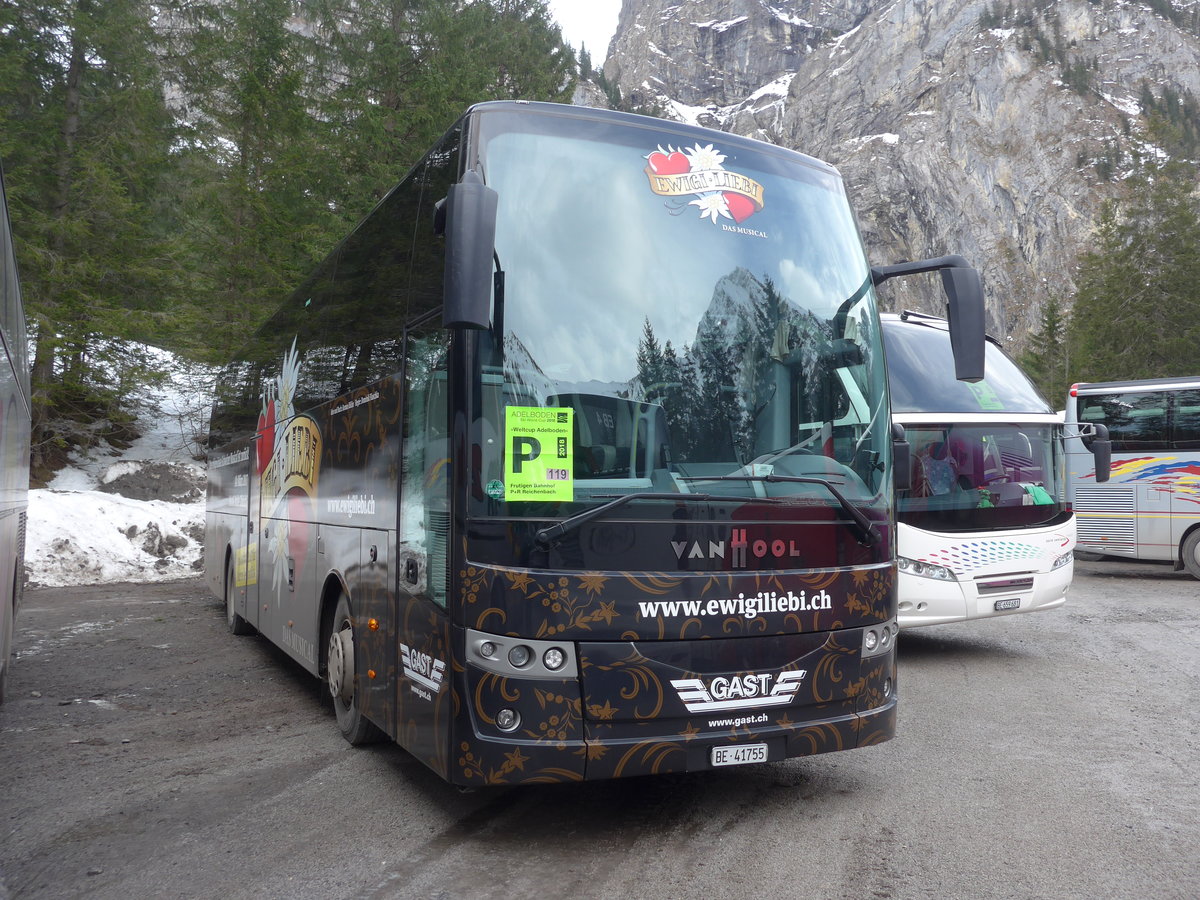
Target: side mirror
470, 227
1102, 453
843, 353
901, 459
964, 301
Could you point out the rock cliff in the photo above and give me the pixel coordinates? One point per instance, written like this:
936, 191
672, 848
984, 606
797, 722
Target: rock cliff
992, 129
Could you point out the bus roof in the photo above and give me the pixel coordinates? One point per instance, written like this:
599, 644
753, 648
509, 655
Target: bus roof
1108, 387
684, 130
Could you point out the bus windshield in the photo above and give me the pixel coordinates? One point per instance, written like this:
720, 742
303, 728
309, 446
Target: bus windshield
985, 455
676, 317
983, 477
919, 387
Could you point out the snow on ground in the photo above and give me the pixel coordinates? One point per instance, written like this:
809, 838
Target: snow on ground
81, 532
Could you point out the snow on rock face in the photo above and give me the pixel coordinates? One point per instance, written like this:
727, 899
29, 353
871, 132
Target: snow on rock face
717, 52
953, 135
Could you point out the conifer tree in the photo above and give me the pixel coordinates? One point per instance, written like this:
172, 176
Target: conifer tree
403, 70
1046, 361
86, 140
184, 223
1137, 310
264, 168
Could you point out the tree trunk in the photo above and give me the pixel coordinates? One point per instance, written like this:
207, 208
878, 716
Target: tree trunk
42, 373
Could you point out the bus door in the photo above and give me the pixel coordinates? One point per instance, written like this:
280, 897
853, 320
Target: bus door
254, 525
421, 634
1185, 442
375, 608
1139, 418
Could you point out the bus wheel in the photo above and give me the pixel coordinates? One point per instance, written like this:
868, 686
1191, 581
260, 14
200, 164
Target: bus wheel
1191, 553
237, 625
340, 676
5, 651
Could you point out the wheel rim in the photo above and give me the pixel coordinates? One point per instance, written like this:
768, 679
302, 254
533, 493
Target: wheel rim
340, 665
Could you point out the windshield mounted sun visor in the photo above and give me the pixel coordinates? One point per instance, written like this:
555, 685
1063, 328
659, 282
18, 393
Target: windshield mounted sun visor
470, 246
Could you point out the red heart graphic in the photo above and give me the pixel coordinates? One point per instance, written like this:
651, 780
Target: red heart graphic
674, 164
740, 207
265, 437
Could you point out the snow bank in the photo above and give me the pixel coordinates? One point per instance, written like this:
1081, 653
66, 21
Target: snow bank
83, 530
88, 537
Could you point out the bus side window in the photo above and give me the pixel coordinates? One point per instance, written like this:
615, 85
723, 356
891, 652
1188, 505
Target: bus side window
1185, 428
1135, 421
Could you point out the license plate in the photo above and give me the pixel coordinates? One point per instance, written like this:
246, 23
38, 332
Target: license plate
740, 755
1012, 603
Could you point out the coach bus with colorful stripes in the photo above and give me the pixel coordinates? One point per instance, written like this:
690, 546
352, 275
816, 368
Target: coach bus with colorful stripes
1150, 508
574, 459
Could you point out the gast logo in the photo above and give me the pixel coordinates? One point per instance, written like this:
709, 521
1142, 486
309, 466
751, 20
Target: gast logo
423, 670
738, 691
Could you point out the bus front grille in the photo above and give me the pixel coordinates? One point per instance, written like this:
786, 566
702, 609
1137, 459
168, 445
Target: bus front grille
1005, 586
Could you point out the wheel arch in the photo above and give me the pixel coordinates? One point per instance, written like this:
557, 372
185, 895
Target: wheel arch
1180, 562
334, 586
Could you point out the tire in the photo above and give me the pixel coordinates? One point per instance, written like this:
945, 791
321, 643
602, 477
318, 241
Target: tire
341, 676
8, 624
5, 665
1190, 552
237, 625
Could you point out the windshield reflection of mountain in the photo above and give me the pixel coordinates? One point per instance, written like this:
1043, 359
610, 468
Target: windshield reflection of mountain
756, 387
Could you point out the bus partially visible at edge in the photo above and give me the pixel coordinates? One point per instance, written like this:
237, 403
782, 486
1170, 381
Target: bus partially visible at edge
1150, 509
984, 528
574, 460
14, 439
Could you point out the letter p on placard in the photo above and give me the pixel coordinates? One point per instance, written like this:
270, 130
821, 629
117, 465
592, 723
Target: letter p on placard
540, 453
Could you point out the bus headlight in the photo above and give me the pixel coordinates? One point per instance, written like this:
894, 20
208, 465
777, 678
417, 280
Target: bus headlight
511, 657
879, 639
924, 569
1062, 561
520, 655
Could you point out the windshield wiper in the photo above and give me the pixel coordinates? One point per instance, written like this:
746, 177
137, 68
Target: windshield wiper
868, 534
543, 537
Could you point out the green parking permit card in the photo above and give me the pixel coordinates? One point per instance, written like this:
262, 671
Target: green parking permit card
538, 454
984, 395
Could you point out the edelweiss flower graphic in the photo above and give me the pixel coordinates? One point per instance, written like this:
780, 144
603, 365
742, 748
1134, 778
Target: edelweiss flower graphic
279, 555
289, 377
705, 157
711, 206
